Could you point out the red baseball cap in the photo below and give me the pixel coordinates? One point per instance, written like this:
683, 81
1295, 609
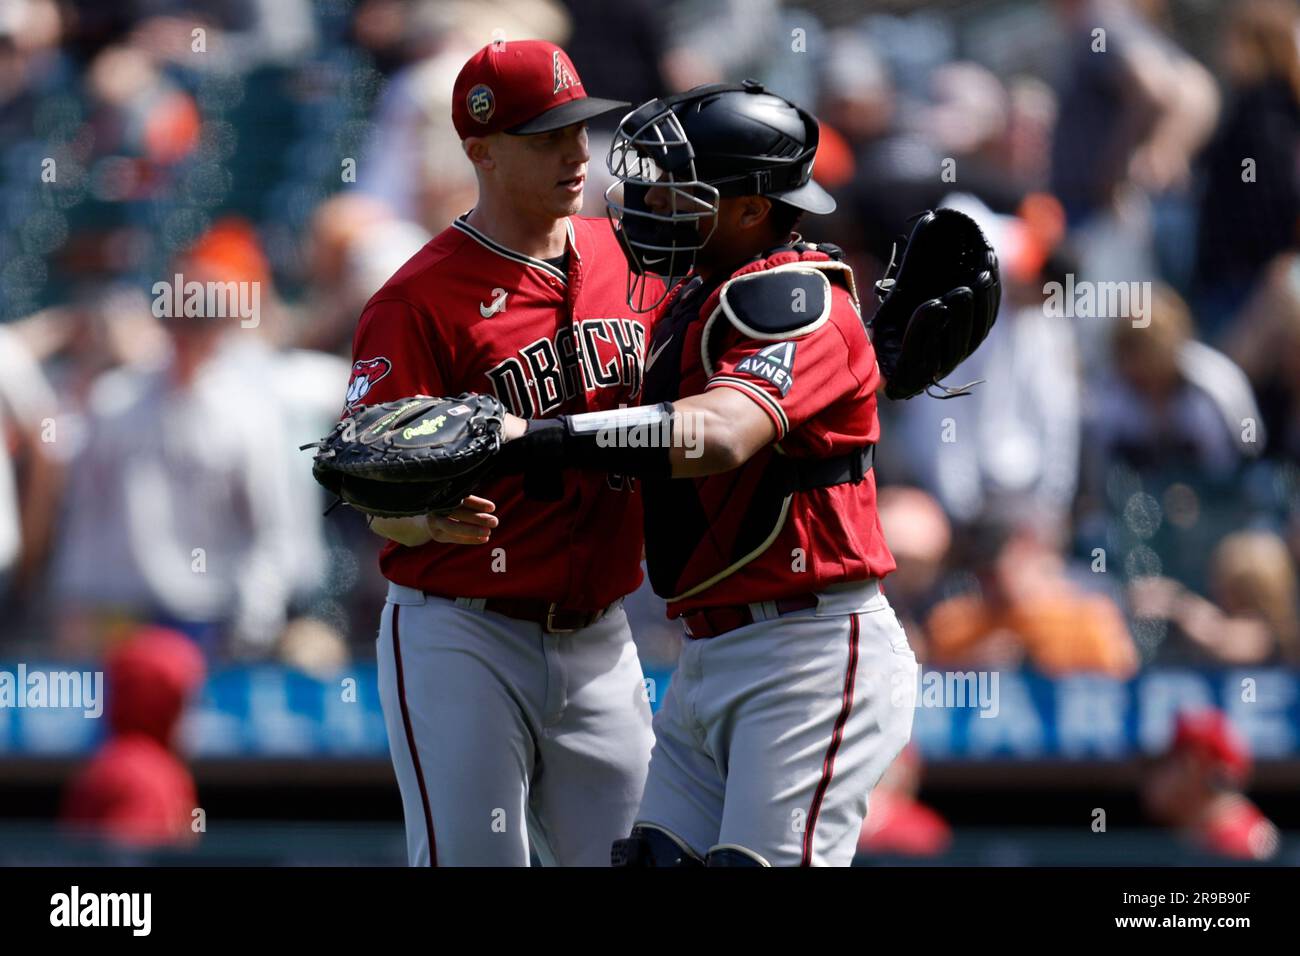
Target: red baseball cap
521, 87
1209, 734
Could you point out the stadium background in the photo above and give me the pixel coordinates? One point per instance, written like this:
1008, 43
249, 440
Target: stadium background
1127, 550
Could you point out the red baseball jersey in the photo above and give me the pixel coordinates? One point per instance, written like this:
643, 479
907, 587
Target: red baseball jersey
134, 791
737, 537
466, 314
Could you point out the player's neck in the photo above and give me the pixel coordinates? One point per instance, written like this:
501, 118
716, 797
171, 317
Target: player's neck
543, 238
723, 259
725, 265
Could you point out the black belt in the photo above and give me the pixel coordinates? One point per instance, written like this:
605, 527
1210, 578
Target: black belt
553, 618
712, 621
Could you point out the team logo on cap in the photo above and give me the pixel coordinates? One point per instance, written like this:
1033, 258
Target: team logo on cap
481, 102
564, 77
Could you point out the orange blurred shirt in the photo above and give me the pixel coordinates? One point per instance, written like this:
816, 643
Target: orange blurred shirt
1061, 634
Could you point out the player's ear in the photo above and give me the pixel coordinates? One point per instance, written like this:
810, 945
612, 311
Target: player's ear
479, 151
753, 210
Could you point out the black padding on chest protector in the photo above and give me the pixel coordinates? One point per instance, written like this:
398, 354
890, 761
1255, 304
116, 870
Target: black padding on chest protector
777, 302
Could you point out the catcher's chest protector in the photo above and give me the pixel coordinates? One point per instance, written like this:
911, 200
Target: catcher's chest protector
701, 531
804, 255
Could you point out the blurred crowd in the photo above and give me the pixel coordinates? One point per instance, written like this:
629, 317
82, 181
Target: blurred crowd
1123, 488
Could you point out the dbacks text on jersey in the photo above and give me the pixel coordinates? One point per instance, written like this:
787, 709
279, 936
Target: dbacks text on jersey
593, 353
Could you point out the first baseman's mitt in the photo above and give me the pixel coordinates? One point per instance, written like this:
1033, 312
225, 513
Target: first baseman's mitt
937, 306
414, 456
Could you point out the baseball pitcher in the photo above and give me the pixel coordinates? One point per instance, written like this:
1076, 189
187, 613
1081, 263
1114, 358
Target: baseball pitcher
510, 686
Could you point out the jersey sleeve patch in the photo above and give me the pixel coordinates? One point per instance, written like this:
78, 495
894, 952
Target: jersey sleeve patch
773, 364
365, 374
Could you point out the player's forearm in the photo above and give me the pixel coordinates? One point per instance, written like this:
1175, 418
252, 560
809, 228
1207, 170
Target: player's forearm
717, 431
411, 532
470, 522
703, 444
702, 435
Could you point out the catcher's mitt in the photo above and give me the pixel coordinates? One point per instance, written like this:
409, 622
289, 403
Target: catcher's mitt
937, 306
414, 456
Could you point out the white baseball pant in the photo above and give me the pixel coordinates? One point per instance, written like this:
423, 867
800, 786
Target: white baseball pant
771, 736
504, 737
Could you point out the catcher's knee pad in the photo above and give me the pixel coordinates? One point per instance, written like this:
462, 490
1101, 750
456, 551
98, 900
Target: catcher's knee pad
649, 845
729, 854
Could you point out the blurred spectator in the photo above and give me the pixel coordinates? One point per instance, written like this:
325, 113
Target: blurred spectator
301, 387
240, 36
968, 121
1015, 440
907, 160
412, 161
136, 790
619, 48
726, 41
1253, 618
914, 44
1247, 216
380, 29
1133, 107
856, 95
1027, 610
1265, 341
919, 537
1031, 119
31, 62
969, 111
898, 823
138, 111
1134, 110
179, 507
103, 325
1174, 404
857, 99
1196, 787
408, 161
355, 244
1170, 433
28, 477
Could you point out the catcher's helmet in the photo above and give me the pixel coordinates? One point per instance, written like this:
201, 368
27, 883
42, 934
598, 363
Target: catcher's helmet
708, 143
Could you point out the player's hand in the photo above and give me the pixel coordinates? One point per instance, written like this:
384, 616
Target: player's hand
513, 427
471, 523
